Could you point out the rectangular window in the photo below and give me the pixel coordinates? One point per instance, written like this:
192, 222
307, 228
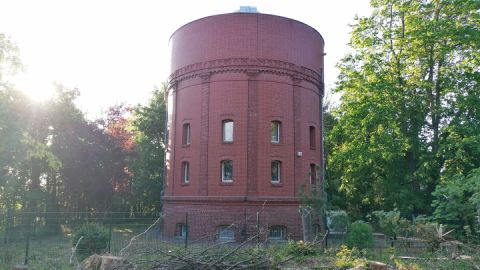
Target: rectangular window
276, 167
181, 230
277, 233
226, 234
227, 171
186, 172
275, 131
186, 134
313, 174
227, 130
312, 137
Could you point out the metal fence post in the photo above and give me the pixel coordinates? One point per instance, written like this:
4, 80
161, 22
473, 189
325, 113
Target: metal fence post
258, 230
186, 230
110, 221
27, 246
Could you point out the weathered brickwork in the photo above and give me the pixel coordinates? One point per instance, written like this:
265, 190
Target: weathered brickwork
253, 69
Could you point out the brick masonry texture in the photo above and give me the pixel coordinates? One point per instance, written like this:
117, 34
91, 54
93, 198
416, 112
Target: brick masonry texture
253, 69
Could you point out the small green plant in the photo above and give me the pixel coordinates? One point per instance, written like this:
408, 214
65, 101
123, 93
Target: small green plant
349, 258
301, 248
95, 239
338, 221
360, 235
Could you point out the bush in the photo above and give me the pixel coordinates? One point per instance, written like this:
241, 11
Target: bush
392, 224
349, 258
95, 239
301, 248
338, 221
360, 235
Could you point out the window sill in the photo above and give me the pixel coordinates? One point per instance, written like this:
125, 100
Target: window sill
186, 145
277, 143
185, 184
224, 142
226, 183
276, 184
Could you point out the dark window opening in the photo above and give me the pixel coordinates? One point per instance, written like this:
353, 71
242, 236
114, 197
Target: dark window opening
227, 170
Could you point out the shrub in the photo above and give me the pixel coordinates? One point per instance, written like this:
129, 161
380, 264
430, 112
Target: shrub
393, 225
301, 248
95, 239
338, 221
360, 235
349, 258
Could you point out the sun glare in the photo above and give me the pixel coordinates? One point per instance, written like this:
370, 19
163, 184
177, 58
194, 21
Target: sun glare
35, 88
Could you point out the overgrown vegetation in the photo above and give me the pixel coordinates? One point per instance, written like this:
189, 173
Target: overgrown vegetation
359, 235
90, 238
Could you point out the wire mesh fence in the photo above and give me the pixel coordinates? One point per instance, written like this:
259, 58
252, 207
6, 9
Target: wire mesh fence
199, 239
45, 240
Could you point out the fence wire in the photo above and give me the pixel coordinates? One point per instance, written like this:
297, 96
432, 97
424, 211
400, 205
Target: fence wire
199, 239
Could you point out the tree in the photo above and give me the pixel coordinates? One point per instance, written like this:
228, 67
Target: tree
148, 169
457, 203
414, 62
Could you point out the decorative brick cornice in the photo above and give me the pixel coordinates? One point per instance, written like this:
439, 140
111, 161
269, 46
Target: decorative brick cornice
247, 65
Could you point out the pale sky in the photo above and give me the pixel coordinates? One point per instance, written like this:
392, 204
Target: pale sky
116, 51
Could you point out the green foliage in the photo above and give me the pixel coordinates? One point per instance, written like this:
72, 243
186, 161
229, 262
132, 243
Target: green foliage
409, 113
348, 258
94, 241
388, 221
338, 221
301, 248
359, 235
457, 203
392, 224
149, 126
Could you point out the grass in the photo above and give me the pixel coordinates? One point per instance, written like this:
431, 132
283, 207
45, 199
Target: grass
47, 252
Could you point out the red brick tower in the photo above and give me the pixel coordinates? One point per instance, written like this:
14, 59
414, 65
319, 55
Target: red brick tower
244, 124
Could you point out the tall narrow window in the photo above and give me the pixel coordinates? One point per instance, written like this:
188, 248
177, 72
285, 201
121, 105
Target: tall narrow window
186, 133
186, 171
227, 171
313, 174
275, 131
276, 169
227, 130
312, 137
181, 230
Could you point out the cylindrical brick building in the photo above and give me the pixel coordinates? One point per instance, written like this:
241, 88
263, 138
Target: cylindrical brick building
245, 125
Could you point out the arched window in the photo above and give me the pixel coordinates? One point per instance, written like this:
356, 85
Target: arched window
277, 232
312, 137
313, 174
276, 171
276, 127
186, 134
227, 170
186, 171
227, 130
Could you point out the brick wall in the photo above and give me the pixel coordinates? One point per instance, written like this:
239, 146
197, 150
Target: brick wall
252, 69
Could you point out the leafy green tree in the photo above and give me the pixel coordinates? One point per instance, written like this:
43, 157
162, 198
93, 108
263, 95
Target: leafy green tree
410, 80
457, 204
148, 170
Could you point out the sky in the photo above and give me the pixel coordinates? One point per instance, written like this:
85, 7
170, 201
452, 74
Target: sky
117, 51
